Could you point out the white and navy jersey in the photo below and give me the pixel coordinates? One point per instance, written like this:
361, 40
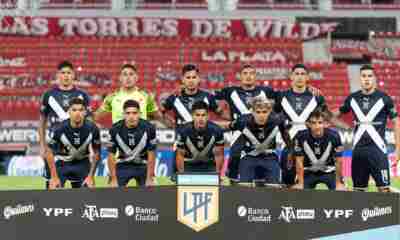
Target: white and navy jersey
370, 113
319, 153
132, 144
55, 103
199, 144
297, 107
182, 104
239, 100
71, 144
260, 140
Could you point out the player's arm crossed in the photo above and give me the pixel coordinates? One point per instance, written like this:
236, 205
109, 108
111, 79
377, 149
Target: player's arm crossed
299, 158
95, 148
111, 159
339, 148
53, 144
219, 151
151, 156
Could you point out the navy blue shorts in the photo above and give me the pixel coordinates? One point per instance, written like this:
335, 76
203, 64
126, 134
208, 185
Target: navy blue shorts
288, 170
369, 161
260, 168
74, 171
312, 179
129, 170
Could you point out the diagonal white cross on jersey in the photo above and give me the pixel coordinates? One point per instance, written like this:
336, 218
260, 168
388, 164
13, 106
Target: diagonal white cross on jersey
183, 111
318, 163
298, 120
261, 147
132, 154
366, 123
62, 115
200, 155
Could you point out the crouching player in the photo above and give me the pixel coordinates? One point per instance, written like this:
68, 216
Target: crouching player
132, 148
318, 152
200, 143
70, 144
260, 129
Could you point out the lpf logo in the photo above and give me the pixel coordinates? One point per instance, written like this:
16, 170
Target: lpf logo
198, 207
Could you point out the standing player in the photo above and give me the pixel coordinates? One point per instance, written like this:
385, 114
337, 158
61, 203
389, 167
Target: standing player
200, 143
132, 148
70, 144
259, 158
238, 99
296, 103
114, 102
181, 104
318, 154
371, 108
54, 106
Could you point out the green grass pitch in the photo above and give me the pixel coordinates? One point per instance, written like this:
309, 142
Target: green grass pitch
36, 183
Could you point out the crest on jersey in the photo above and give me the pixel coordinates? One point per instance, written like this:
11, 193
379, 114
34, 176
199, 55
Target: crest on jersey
261, 134
365, 104
298, 105
317, 149
77, 139
200, 142
131, 139
190, 103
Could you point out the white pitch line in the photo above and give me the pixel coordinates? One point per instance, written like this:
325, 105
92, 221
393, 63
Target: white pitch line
395, 190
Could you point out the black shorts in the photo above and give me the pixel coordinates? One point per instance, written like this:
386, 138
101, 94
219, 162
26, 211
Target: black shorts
311, 179
370, 161
288, 170
73, 171
260, 168
126, 171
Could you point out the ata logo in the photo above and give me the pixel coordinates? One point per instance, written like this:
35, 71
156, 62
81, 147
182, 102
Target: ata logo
198, 207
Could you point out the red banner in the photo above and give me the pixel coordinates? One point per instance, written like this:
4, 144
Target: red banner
161, 27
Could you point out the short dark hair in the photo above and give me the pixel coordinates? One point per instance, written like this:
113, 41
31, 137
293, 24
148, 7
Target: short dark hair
318, 113
189, 67
366, 67
299, 65
128, 65
65, 64
243, 67
199, 105
77, 101
130, 103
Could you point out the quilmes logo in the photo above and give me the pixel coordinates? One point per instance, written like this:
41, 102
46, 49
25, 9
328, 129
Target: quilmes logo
198, 207
367, 213
290, 213
18, 210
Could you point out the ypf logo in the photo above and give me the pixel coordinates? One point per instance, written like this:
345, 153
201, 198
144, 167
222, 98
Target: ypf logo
198, 207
